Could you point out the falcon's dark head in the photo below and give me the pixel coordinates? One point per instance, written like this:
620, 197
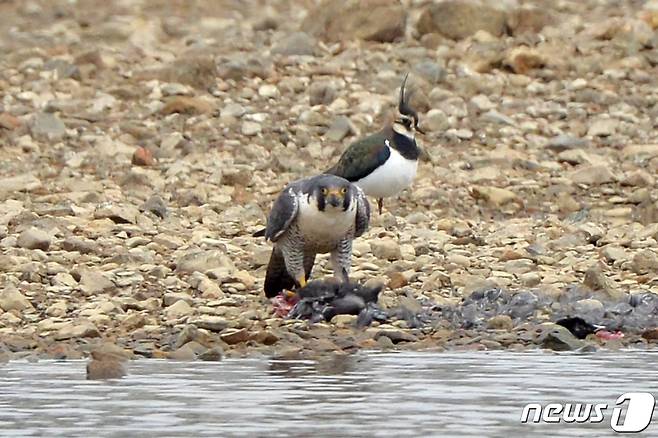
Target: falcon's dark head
406, 122
331, 193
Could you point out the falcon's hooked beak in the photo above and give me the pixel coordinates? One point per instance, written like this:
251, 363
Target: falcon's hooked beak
334, 196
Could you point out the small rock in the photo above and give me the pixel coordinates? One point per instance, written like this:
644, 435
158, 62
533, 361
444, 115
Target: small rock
34, 238
435, 121
186, 105
524, 59
597, 281
77, 329
185, 353
250, 128
120, 214
563, 142
102, 368
373, 20
268, 91
211, 323
94, 282
386, 249
612, 253
46, 126
156, 205
644, 262
21, 183
237, 336
494, 196
143, 157
12, 299
7, 121
179, 309
592, 175
397, 280
500, 322
651, 334
638, 178
530, 20
340, 128
295, 44
322, 93
603, 127
396, 336
458, 19
203, 261
214, 354
64, 279
558, 338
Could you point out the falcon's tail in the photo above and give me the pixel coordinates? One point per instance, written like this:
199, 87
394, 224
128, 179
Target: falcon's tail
277, 277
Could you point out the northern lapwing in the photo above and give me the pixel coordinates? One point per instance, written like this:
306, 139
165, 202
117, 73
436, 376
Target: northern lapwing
385, 163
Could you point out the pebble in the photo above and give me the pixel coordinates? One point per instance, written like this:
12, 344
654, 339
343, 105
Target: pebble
47, 126
34, 238
12, 299
386, 249
250, 129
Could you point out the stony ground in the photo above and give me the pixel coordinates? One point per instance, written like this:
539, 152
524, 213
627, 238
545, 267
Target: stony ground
142, 142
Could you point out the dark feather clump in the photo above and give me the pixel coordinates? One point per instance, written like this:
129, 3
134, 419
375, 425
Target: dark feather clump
321, 300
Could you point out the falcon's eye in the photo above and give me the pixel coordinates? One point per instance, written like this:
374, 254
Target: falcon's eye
324, 190
343, 190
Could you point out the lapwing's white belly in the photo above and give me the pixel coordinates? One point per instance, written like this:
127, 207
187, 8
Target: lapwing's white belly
324, 229
395, 175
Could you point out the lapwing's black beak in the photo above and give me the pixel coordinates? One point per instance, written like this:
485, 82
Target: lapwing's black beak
420, 130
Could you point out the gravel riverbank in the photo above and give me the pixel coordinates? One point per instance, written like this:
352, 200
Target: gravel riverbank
142, 142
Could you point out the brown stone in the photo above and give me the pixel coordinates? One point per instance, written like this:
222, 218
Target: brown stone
374, 20
142, 157
458, 19
186, 105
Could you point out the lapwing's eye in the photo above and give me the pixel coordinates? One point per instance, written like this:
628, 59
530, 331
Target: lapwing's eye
343, 190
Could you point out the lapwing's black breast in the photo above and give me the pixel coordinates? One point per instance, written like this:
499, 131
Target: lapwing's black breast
406, 146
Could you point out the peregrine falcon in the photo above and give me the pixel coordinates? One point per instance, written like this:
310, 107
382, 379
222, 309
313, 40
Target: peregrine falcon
384, 163
321, 214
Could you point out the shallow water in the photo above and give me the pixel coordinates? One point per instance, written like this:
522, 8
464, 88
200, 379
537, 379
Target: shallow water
477, 394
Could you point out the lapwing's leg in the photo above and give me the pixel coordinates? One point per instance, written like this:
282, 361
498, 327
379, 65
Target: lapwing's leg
380, 204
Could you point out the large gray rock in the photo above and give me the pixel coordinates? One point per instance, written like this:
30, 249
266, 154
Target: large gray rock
558, 338
47, 126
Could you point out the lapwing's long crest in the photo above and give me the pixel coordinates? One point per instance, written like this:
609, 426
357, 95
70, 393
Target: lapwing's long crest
405, 96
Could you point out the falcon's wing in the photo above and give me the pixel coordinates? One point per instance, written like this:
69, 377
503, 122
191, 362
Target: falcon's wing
361, 158
362, 212
283, 212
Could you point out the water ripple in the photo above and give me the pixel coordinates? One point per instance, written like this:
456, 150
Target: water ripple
466, 394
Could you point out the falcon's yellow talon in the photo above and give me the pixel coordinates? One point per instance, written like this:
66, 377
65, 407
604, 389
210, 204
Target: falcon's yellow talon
302, 281
288, 294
